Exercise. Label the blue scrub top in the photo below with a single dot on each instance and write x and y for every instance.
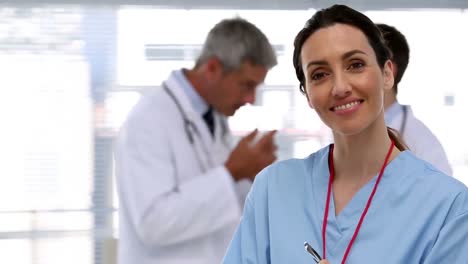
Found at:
(418, 215)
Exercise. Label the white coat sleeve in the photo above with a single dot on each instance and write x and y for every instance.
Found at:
(433, 152)
(451, 245)
(160, 214)
(250, 244)
(242, 189)
(425, 145)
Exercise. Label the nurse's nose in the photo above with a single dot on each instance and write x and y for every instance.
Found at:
(341, 86)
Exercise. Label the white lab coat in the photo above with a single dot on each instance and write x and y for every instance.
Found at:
(174, 207)
(419, 138)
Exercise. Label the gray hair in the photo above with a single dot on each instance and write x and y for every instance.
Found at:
(234, 41)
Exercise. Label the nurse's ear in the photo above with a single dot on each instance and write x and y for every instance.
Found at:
(388, 72)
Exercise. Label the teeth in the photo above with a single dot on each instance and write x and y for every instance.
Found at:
(346, 106)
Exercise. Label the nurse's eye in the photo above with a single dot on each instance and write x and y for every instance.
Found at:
(317, 76)
(356, 66)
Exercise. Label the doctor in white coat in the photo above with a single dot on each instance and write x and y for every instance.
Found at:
(419, 138)
(181, 185)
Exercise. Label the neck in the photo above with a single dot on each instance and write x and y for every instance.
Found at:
(389, 98)
(358, 158)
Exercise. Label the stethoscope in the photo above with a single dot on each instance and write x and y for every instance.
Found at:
(192, 131)
(404, 108)
(189, 126)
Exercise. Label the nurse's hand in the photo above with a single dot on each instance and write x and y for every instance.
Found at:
(324, 261)
(251, 155)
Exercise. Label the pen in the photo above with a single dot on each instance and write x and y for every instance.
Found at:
(311, 251)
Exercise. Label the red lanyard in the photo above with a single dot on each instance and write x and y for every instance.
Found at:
(327, 206)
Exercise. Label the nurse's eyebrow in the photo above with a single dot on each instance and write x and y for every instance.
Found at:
(317, 62)
(345, 56)
(350, 53)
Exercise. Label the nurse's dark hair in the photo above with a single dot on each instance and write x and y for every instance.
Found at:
(399, 142)
(341, 14)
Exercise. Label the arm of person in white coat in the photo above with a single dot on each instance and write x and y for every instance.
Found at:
(425, 145)
(434, 153)
(160, 213)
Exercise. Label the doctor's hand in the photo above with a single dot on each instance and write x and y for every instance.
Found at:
(324, 261)
(251, 155)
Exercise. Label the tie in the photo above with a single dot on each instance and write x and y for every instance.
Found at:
(209, 120)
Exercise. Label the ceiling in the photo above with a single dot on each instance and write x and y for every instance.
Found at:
(259, 4)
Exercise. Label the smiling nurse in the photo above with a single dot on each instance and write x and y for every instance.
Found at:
(365, 199)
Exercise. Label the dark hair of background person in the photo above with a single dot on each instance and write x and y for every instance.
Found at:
(399, 48)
